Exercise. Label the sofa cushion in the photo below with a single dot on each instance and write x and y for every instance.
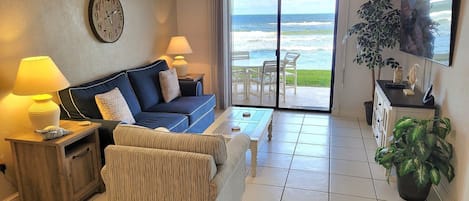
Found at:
(112, 106)
(213, 145)
(171, 121)
(193, 106)
(169, 85)
(146, 83)
(78, 102)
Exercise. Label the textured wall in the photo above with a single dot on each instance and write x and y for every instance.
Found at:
(60, 29)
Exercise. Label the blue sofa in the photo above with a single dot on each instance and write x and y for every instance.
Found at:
(192, 112)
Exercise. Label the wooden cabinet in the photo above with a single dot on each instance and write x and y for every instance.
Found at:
(62, 169)
(390, 105)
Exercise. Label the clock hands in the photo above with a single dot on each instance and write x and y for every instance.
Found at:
(109, 15)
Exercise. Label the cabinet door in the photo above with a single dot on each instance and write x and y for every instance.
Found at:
(82, 170)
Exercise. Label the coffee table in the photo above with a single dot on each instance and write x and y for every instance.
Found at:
(254, 122)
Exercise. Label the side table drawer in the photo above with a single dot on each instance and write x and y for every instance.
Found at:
(81, 168)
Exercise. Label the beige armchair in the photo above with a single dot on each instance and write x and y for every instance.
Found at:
(147, 165)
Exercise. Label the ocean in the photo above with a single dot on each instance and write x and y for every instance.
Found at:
(310, 34)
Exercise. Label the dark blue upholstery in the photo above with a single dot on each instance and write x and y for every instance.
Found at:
(193, 107)
(171, 121)
(191, 88)
(146, 83)
(79, 102)
(203, 123)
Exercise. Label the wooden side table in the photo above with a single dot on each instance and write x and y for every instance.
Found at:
(62, 169)
(194, 77)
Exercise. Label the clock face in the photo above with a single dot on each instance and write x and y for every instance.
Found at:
(106, 19)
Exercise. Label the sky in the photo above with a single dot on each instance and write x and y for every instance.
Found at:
(244, 7)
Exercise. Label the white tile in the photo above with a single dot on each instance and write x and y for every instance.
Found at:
(346, 132)
(271, 159)
(350, 142)
(378, 172)
(312, 150)
(317, 115)
(349, 154)
(278, 147)
(316, 121)
(338, 197)
(285, 136)
(317, 130)
(256, 192)
(352, 186)
(350, 168)
(386, 191)
(311, 164)
(308, 180)
(370, 144)
(345, 122)
(313, 139)
(290, 119)
(291, 194)
(284, 127)
(367, 133)
(269, 176)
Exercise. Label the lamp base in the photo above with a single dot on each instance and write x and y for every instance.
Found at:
(44, 112)
(181, 66)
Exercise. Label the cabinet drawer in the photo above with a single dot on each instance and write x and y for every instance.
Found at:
(81, 167)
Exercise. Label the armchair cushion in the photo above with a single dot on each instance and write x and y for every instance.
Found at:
(146, 83)
(174, 122)
(169, 85)
(79, 103)
(148, 138)
(113, 106)
(194, 107)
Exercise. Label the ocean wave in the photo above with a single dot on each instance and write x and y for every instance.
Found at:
(441, 15)
(313, 23)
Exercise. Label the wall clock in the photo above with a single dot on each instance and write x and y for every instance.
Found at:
(106, 19)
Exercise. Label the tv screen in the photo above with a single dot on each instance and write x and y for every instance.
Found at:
(428, 28)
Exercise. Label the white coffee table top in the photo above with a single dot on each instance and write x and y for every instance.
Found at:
(253, 125)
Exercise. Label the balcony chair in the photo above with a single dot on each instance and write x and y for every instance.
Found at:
(267, 76)
(289, 67)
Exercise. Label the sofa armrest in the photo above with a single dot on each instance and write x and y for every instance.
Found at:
(236, 150)
(190, 88)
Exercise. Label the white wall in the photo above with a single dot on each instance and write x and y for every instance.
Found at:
(61, 30)
(450, 89)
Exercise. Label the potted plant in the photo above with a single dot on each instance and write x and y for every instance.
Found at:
(379, 29)
(420, 153)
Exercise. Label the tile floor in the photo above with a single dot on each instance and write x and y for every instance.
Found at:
(317, 157)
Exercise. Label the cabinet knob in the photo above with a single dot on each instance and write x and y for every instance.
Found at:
(379, 104)
(376, 137)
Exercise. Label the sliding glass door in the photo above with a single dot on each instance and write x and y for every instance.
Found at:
(301, 34)
(254, 45)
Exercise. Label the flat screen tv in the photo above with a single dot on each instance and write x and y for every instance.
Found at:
(428, 28)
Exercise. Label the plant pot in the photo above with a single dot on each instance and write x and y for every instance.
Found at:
(409, 191)
(368, 111)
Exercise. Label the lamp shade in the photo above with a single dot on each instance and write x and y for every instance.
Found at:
(179, 45)
(38, 75)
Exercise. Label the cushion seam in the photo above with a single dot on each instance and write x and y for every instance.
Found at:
(144, 68)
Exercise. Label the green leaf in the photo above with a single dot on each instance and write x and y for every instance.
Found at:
(422, 151)
(416, 134)
(435, 176)
(422, 176)
(406, 167)
(430, 140)
(450, 174)
(404, 123)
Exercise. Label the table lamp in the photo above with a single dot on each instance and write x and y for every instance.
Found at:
(179, 46)
(39, 76)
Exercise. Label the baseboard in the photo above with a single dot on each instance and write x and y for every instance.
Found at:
(13, 197)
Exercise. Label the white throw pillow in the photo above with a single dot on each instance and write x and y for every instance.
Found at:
(113, 106)
(169, 85)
